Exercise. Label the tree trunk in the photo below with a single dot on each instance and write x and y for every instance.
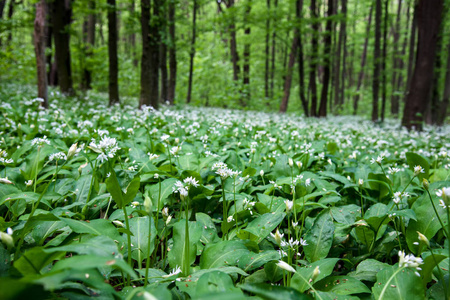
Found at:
(192, 52)
(145, 94)
(132, 36)
(429, 17)
(326, 60)
(39, 47)
(344, 59)
(155, 40)
(273, 50)
(246, 66)
(112, 51)
(2, 8)
(163, 55)
(313, 61)
(89, 40)
(412, 50)
(337, 67)
(446, 97)
(383, 62)
(288, 78)
(267, 54)
(363, 64)
(61, 17)
(376, 61)
(396, 62)
(10, 15)
(233, 45)
(172, 54)
(51, 67)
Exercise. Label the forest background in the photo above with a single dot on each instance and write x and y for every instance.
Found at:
(377, 58)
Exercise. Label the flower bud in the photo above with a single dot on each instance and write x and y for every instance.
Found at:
(169, 218)
(165, 212)
(425, 184)
(299, 164)
(118, 223)
(72, 151)
(291, 162)
(423, 239)
(285, 266)
(261, 173)
(148, 204)
(360, 182)
(7, 239)
(315, 274)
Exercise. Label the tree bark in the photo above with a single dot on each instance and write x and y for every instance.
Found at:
(396, 62)
(363, 64)
(267, 54)
(376, 61)
(61, 17)
(145, 95)
(313, 61)
(192, 52)
(112, 51)
(383, 62)
(89, 40)
(246, 66)
(163, 55)
(288, 78)
(155, 40)
(2, 8)
(326, 60)
(172, 54)
(429, 17)
(39, 47)
(338, 96)
(10, 15)
(301, 65)
(233, 45)
(273, 50)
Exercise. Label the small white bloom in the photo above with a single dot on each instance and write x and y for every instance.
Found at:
(282, 264)
(418, 170)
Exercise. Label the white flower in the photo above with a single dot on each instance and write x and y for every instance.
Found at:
(291, 162)
(261, 173)
(277, 236)
(230, 219)
(152, 156)
(191, 181)
(175, 271)
(285, 266)
(29, 182)
(299, 164)
(5, 180)
(165, 137)
(72, 151)
(303, 242)
(378, 160)
(360, 182)
(445, 194)
(165, 212)
(418, 170)
(40, 141)
(409, 261)
(289, 205)
(58, 156)
(308, 182)
(118, 223)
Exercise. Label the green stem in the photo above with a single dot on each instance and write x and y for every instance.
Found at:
(36, 169)
(225, 212)
(186, 265)
(128, 241)
(147, 264)
(387, 284)
(437, 215)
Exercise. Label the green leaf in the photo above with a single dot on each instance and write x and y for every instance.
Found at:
(368, 269)
(300, 280)
(398, 283)
(414, 159)
(341, 285)
(176, 255)
(12, 289)
(429, 263)
(215, 282)
(34, 260)
(224, 253)
(132, 190)
(95, 227)
(273, 292)
(82, 186)
(140, 228)
(320, 237)
(166, 190)
(262, 226)
(253, 261)
(273, 272)
(97, 245)
(113, 187)
(209, 233)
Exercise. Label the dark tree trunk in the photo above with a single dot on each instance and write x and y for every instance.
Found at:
(326, 60)
(155, 40)
(396, 62)
(10, 15)
(246, 66)
(132, 37)
(363, 64)
(383, 62)
(338, 97)
(288, 78)
(273, 50)
(267, 54)
(112, 51)
(301, 65)
(51, 67)
(376, 61)
(412, 50)
(233, 45)
(163, 55)
(192, 52)
(172, 54)
(429, 17)
(446, 97)
(89, 40)
(145, 94)
(39, 47)
(2, 8)
(61, 17)
(313, 63)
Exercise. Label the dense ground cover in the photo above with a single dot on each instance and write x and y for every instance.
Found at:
(219, 204)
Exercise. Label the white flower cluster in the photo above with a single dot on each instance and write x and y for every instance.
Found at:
(418, 170)
(410, 261)
(106, 148)
(445, 194)
(3, 159)
(40, 141)
(183, 187)
(223, 171)
(399, 195)
(378, 160)
(57, 156)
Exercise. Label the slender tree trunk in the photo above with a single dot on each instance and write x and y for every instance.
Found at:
(10, 15)
(39, 47)
(192, 52)
(363, 64)
(233, 45)
(62, 15)
(2, 8)
(301, 65)
(446, 97)
(132, 36)
(412, 50)
(313, 63)
(89, 40)
(172, 54)
(396, 61)
(327, 64)
(344, 62)
(145, 94)
(155, 40)
(376, 61)
(429, 17)
(337, 66)
(383, 62)
(273, 50)
(163, 56)
(246, 66)
(112, 52)
(51, 76)
(267, 54)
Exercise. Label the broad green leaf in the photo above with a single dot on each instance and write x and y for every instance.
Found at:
(346, 214)
(166, 190)
(334, 296)
(5, 257)
(132, 190)
(43, 230)
(300, 280)
(98, 245)
(11, 289)
(367, 269)
(188, 162)
(273, 271)
(414, 159)
(341, 285)
(320, 237)
(139, 226)
(81, 187)
(273, 292)
(95, 227)
(398, 283)
(262, 226)
(176, 255)
(214, 282)
(253, 261)
(224, 253)
(209, 233)
(34, 260)
(113, 187)
(429, 263)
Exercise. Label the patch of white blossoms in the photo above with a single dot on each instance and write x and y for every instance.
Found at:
(223, 171)
(444, 193)
(410, 261)
(183, 187)
(106, 148)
